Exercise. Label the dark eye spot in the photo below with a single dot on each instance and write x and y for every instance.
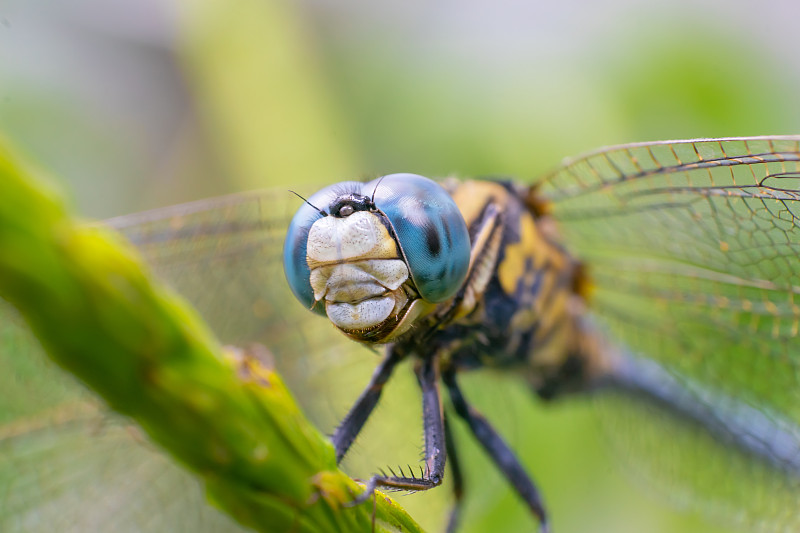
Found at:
(448, 239)
(432, 240)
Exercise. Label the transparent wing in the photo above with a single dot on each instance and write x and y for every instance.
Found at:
(66, 465)
(693, 252)
(86, 472)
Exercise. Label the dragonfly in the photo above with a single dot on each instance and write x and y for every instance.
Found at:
(659, 278)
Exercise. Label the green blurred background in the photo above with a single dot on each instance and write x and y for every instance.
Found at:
(143, 103)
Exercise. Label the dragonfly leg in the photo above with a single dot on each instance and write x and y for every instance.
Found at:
(458, 478)
(497, 449)
(435, 448)
(350, 427)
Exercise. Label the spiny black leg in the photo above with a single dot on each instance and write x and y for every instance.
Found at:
(458, 478)
(351, 426)
(435, 451)
(497, 449)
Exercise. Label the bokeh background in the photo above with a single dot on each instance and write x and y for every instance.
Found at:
(134, 104)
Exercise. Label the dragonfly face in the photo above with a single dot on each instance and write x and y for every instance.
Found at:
(691, 249)
(375, 257)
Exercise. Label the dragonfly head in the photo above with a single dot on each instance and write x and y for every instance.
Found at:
(373, 257)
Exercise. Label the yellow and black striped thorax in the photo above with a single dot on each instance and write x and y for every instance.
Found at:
(521, 288)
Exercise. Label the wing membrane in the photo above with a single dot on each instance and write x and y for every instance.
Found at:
(81, 470)
(693, 249)
(692, 235)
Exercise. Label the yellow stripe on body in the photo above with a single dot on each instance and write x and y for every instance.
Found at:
(534, 271)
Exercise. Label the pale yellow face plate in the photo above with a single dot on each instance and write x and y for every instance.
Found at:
(357, 270)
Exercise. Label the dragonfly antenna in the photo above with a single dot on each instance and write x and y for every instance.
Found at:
(321, 211)
(372, 200)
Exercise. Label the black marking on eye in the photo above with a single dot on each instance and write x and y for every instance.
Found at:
(432, 240)
(448, 238)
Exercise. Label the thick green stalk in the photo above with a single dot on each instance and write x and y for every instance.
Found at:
(92, 304)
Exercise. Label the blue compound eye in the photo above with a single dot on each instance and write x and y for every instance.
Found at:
(430, 230)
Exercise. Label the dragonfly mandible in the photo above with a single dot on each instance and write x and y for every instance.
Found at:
(666, 271)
